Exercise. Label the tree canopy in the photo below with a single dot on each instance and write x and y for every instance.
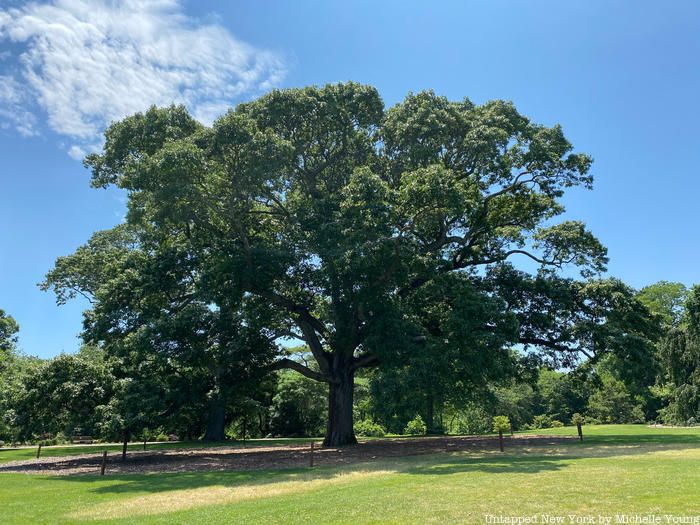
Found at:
(372, 234)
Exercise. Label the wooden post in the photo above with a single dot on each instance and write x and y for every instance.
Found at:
(580, 431)
(144, 443)
(311, 455)
(38, 451)
(500, 439)
(104, 463)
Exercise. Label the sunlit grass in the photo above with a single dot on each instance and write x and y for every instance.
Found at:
(616, 470)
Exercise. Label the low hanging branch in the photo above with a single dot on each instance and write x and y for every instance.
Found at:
(289, 364)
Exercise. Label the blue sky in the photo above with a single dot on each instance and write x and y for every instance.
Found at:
(622, 78)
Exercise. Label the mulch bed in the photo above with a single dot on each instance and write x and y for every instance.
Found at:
(261, 457)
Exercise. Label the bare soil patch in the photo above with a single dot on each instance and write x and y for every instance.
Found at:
(273, 457)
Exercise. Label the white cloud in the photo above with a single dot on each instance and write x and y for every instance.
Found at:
(77, 152)
(13, 112)
(89, 62)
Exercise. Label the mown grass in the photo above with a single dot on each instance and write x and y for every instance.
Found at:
(616, 470)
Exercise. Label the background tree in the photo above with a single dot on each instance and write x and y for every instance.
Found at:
(680, 358)
(15, 368)
(665, 299)
(150, 303)
(299, 407)
(8, 337)
(61, 395)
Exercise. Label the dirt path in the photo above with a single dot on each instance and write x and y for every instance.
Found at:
(273, 457)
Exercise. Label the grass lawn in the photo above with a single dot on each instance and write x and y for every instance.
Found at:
(621, 469)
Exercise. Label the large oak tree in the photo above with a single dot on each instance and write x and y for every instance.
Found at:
(323, 216)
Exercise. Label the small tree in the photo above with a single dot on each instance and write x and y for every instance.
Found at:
(577, 419)
(501, 424)
(416, 427)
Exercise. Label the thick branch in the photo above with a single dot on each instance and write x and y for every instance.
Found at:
(290, 364)
(554, 345)
(309, 325)
(365, 361)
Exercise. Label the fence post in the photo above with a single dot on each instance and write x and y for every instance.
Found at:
(104, 463)
(311, 455)
(38, 451)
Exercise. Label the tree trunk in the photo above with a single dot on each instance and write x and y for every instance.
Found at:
(340, 399)
(216, 418)
(430, 414)
(216, 421)
(125, 444)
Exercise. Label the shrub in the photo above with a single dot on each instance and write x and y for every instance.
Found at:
(501, 424)
(162, 437)
(369, 428)
(542, 421)
(557, 424)
(416, 427)
(637, 415)
(577, 419)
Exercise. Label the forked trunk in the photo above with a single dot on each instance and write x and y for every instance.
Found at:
(340, 399)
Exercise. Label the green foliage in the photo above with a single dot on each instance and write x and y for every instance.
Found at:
(501, 424)
(363, 226)
(63, 394)
(416, 427)
(679, 353)
(517, 400)
(298, 407)
(577, 419)
(559, 395)
(369, 428)
(541, 421)
(556, 424)
(613, 403)
(474, 418)
(665, 299)
(8, 335)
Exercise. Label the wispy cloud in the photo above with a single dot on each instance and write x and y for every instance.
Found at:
(85, 63)
(13, 103)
